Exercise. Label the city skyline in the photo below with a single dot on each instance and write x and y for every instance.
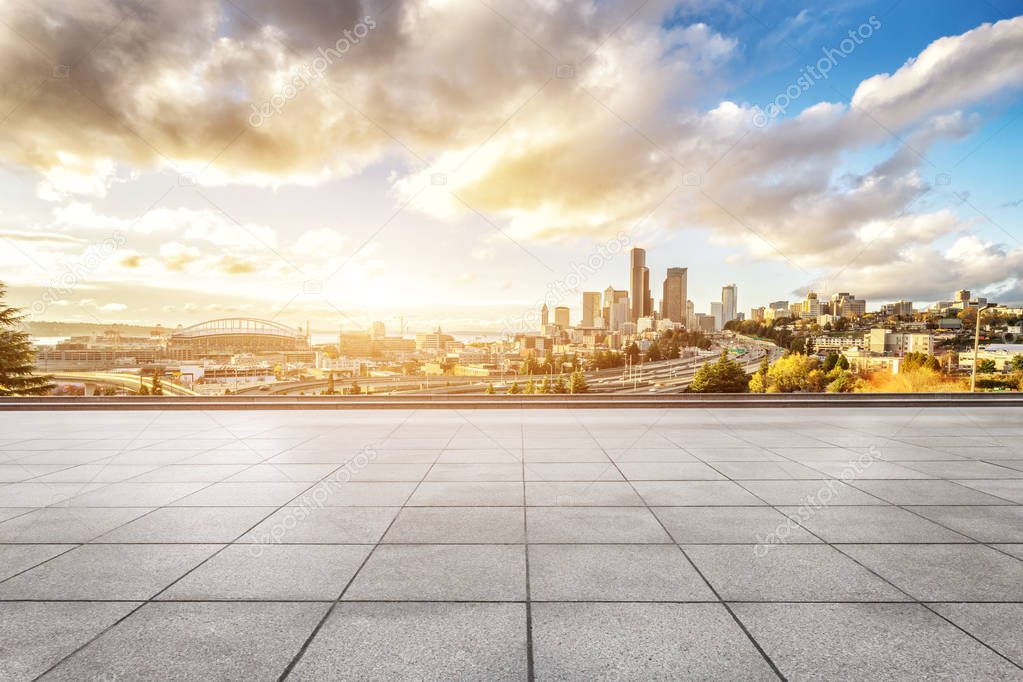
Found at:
(890, 175)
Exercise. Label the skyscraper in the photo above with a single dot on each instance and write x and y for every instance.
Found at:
(729, 303)
(639, 283)
(561, 317)
(591, 308)
(545, 317)
(717, 312)
(673, 299)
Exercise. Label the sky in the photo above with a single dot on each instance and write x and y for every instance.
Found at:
(460, 162)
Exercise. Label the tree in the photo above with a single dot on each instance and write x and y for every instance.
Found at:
(843, 362)
(157, 384)
(530, 388)
(489, 390)
(559, 385)
(758, 382)
(795, 372)
(986, 366)
(355, 388)
(142, 387)
(17, 356)
(723, 376)
(632, 352)
(514, 388)
(545, 386)
(1017, 363)
(653, 353)
(577, 384)
(830, 361)
(330, 390)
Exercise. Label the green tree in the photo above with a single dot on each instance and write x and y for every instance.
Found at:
(723, 376)
(559, 385)
(653, 354)
(830, 361)
(17, 356)
(577, 384)
(986, 366)
(143, 390)
(330, 390)
(530, 388)
(514, 388)
(489, 390)
(355, 389)
(632, 352)
(545, 386)
(1017, 363)
(843, 363)
(157, 383)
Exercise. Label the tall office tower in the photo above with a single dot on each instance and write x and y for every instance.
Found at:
(811, 307)
(717, 312)
(639, 283)
(591, 308)
(611, 297)
(561, 317)
(690, 315)
(673, 299)
(729, 303)
(963, 296)
(545, 317)
(648, 304)
(618, 314)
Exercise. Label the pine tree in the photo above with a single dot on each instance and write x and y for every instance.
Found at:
(17, 356)
(578, 384)
(157, 383)
(545, 386)
(489, 390)
(142, 387)
(355, 389)
(559, 385)
(330, 390)
(514, 388)
(530, 388)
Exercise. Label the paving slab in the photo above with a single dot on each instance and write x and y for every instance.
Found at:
(272, 572)
(642, 642)
(422, 641)
(116, 572)
(613, 573)
(869, 642)
(945, 572)
(190, 641)
(788, 573)
(442, 573)
(35, 636)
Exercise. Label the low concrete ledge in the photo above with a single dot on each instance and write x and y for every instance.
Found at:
(593, 401)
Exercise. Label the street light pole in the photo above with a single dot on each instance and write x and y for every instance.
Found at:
(976, 348)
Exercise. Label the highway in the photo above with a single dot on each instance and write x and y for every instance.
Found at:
(126, 381)
(665, 376)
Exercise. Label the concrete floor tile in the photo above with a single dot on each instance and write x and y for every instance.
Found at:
(391, 641)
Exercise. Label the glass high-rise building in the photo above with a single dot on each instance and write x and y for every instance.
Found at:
(639, 284)
(729, 303)
(673, 298)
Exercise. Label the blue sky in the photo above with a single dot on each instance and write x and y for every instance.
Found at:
(892, 178)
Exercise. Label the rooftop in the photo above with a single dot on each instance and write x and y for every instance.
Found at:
(586, 544)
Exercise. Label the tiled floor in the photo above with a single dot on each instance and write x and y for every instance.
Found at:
(509, 544)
